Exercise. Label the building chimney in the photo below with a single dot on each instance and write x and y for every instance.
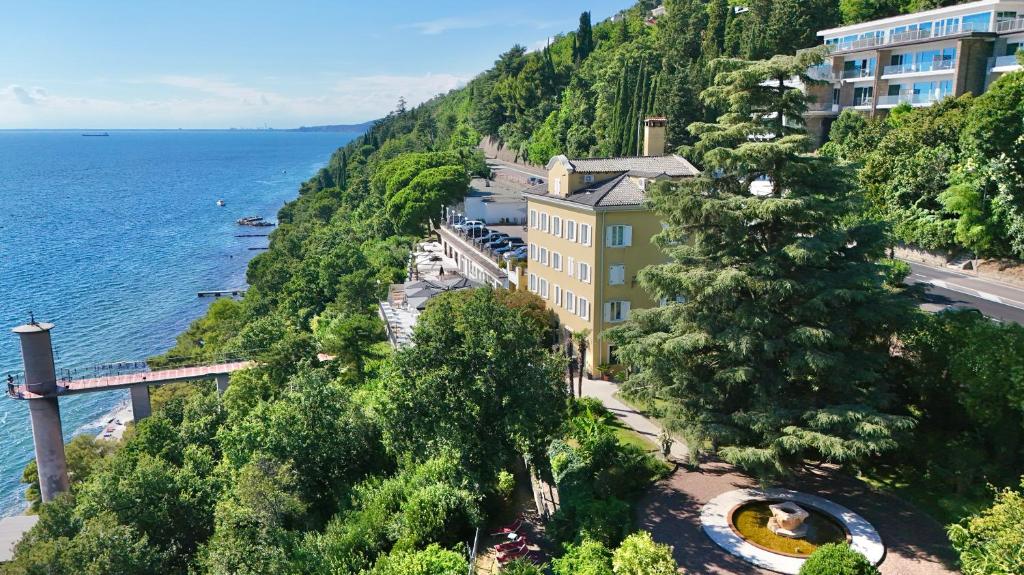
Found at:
(654, 136)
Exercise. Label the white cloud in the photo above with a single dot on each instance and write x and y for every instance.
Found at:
(204, 102)
(442, 25)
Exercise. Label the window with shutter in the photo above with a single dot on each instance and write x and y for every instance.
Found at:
(533, 252)
(570, 266)
(556, 226)
(533, 283)
(619, 236)
(544, 256)
(570, 230)
(543, 222)
(585, 234)
(570, 301)
(617, 275)
(533, 219)
(558, 295)
(556, 261)
(543, 288)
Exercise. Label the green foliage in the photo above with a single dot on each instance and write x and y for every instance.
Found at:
(779, 350)
(477, 383)
(639, 555)
(431, 561)
(506, 484)
(84, 454)
(837, 559)
(966, 379)
(587, 558)
(992, 542)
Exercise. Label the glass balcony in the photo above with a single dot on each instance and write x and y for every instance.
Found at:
(929, 66)
(858, 73)
(1013, 25)
(912, 35)
(912, 99)
(1003, 62)
(864, 102)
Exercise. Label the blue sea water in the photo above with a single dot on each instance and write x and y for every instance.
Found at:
(110, 238)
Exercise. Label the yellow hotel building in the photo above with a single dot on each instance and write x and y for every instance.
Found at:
(589, 234)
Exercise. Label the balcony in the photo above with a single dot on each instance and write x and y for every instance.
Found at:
(917, 35)
(865, 102)
(821, 72)
(858, 74)
(1003, 63)
(912, 99)
(917, 67)
(1006, 26)
(862, 44)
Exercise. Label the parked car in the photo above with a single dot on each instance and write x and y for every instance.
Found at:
(517, 254)
(508, 245)
(491, 237)
(469, 224)
(475, 232)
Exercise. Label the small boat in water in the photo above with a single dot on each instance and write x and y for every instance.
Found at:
(255, 221)
(221, 203)
(96, 134)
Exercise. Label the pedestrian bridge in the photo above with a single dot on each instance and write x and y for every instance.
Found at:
(123, 375)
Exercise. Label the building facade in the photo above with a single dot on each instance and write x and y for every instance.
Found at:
(589, 234)
(917, 59)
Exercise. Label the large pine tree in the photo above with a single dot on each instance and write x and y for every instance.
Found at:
(779, 351)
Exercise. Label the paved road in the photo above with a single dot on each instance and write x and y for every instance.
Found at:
(945, 288)
(521, 168)
(604, 391)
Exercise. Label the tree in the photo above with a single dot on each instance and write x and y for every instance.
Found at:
(347, 336)
(584, 39)
(992, 542)
(252, 535)
(478, 382)
(779, 349)
(837, 559)
(640, 555)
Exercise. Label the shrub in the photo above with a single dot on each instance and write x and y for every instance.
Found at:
(587, 558)
(837, 559)
(506, 484)
(640, 555)
(992, 542)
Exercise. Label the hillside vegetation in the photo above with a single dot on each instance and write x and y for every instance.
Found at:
(382, 462)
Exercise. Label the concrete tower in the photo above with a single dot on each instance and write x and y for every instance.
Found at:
(41, 379)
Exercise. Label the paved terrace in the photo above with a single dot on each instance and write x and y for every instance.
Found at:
(915, 543)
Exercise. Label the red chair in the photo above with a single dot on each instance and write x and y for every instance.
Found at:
(513, 555)
(513, 528)
(502, 547)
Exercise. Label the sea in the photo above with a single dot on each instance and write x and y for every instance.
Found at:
(111, 237)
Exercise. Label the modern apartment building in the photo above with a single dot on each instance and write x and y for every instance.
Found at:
(589, 234)
(917, 58)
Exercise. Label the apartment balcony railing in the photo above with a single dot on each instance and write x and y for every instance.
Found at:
(913, 99)
(858, 73)
(1003, 61)
(863, 102)
(912, 35)
(1014, 25)
(929, 66)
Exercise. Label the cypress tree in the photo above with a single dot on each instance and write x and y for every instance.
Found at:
(780, 349)
(584, 39)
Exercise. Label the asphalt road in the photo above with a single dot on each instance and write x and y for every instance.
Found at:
(947, 288)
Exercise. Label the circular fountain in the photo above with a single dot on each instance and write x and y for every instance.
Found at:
(778, 529)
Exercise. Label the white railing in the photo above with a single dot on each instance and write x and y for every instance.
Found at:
(1010, 25)
(912, 35)
(912, 99)
(863, 102)
(929, 66)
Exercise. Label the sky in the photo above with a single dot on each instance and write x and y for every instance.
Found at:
(250, 64)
